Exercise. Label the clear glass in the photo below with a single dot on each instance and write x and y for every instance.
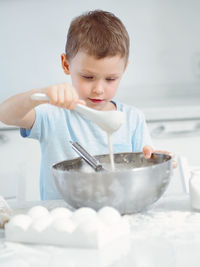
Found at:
(195, 173)
(194, 189)
(2, 240)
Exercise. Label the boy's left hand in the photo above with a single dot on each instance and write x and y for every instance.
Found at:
(148, 150)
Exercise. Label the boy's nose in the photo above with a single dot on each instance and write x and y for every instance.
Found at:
(98, 89)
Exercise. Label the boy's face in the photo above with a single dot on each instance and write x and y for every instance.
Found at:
(95, 80)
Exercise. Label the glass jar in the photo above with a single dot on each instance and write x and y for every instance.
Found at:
(194, 189)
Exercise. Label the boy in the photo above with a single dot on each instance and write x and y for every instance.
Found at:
(96, 57)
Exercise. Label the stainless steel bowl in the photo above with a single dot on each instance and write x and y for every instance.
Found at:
(135, 184)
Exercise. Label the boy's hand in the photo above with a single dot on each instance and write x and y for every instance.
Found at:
(147, 150)
(63, 95)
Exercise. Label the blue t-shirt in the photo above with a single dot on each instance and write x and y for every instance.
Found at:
(54, 127)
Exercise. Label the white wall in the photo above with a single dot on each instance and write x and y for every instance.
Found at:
(164, 56)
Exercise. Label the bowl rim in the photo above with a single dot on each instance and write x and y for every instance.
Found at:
(136, 169)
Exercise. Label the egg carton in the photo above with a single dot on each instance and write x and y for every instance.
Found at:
(83, 228)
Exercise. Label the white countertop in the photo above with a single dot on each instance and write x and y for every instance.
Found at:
(167, 235)
(172, 113)
(165, 107)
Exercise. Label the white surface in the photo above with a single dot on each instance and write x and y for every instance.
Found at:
(85, 228)
(180, 137)
(162, 112)
(167, 236)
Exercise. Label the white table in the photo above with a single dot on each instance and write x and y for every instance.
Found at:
(168, 235)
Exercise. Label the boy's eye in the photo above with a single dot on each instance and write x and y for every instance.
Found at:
(88, 77)
(110, 79)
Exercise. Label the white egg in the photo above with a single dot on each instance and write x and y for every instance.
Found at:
(37, 231)
(109, 215)
(83, 214)
(21, 221)
(89, 225)
(17, 228)
(64, 225)
(61, 213)
(62, 232)
(40, 224)
(86, 233)
(37, 212)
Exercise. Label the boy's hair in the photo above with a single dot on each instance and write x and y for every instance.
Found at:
(99, 34)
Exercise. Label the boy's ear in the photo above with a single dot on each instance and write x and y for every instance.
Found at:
(65, 63)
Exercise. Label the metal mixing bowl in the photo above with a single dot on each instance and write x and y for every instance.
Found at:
(135, 184)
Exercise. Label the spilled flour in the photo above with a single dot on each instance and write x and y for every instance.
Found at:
(176, 225)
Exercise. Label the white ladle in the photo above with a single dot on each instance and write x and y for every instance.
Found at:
(109, 121)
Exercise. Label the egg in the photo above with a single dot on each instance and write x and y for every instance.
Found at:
(17, 227)
(89, 225)
(109, 215)
(21, 221)
(86, 233)
(84, 228)
(64, 225)
(60, 213)
(39, 230)
(83, 214)
(37, 212)
(40, 224)
(63, 232)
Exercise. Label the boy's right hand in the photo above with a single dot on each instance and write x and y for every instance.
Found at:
(63, 95)
(19, 109)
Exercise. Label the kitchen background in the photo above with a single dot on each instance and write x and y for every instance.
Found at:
(162, 79)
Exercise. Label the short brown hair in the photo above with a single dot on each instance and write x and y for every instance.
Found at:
(98, 33)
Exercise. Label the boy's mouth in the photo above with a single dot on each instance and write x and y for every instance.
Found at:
(94, 100)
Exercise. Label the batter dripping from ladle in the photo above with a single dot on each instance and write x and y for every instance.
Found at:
(109, 121)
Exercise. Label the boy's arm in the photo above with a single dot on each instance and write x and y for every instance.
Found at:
(19, 110)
